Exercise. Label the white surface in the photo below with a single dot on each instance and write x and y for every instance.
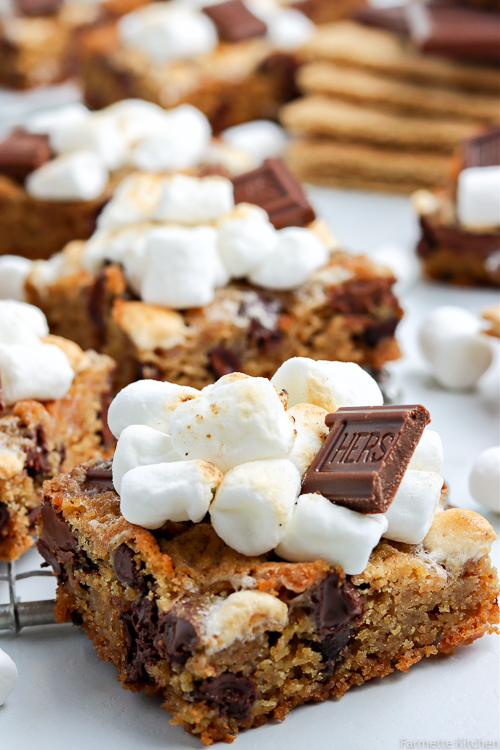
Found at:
(67, 699)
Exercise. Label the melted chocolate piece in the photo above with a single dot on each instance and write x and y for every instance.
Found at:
(362, 461)
(33, 514)
(364, 297)
(233, 694)
(223, 360)
(38, 7)
(21, 153)
(124, 567)
(176, 638)
(451, 237)
(57, 533)
(37, 455)
(99, 478)
(49, 556)
(2, 402)
(107, 437)
(234, 22)
(267, 309)
(273, 187)
(140, 625)
(96, 306)
(340, 609)
(385, 328)
(483, 151)
(4, 515)
(393, 19)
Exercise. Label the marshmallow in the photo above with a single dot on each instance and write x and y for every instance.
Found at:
(254, 504)
(137, 119)
(8, 676)
(261, 138)
(412, 511)
(478, 197)
(484, 480)
(147, 402)
(245, 239)
(135, 199)
(179, 491)
(320, 529)
(80, 175)
(309, 422)
(330, 385)
(289, 29)
(38, 372)
(194, 200)
(139, 445)
(21, 323)
(13, 273)
(452, 342)
(297, 254)
(97, 133)
(428, 455)
(236, 422)
(181, 267)
(52, 121)
(242, 616)
(126, 246)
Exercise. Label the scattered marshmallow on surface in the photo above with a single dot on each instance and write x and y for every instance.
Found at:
(484, 480)
(412, 511)
(245, 239)
(79, 175)
(330, 385)
(8, 676)
(311, 434)
(178, 491)
(296, 255)
(194, 200)
(261, 138)
(135, 199)
(147, 402)
(320, 529)
(237, 422)
(34, 372)
(478, 197)
(13, 272)
(428, 455)
(254, 504)
(140, 445)
(21, 323)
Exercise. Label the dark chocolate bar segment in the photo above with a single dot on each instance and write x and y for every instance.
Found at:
(484, 150)
(21, 153)
(363, 459)
(99, 478)
(37, 7)
(234, 22)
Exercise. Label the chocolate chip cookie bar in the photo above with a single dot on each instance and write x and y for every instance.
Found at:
(204, 564)
(53, 400)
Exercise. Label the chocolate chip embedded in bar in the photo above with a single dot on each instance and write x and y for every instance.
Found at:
(483, 151)
(363, 459)
(99, 478)
(37, 7)
(273, 187)
(234, 21)
(23, 152)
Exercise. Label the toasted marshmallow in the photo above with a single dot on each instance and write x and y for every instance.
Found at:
(290, 29)
(126, 246)
(147, 402)
(241, 617)
(80, 175)
(237, 422)
(194, 200)
(181, 267)
(428, 455)
(245, 239)
(97, 133)
(8, 676)
(38, 372)
(297, 254)
(309, 422)
(484, 480)
(452, 342)
(21, 323)
(13, 273)
(135, 199)
(137, 119)
(140, 445)
(412, 511)
(478, 197)
(458, 536)
(320, 529)
(261, 138)
(254, 504)
(178, 491)
(330, 385)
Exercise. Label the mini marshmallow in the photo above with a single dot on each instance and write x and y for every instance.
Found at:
(240, 421)
(179, 491)
(452, 342)
(80, 175)
(245, 239)
(290, 29)
(330, 385)
(181, 267)
(21, 323)
(139, 445)
(412, 511)
(194, 200)
(428, 455)
(52, 121)
(309, 422)
(320, 529)
(38, 372)
(97, 133)
(137, 119)
(242, 616)
(135, 199)
(147, 402)
(8, 676)
(254, 504)
(478, 197)
(13, 273)
(126, 246)
(297, 254)
(484, 480)
(261, 138)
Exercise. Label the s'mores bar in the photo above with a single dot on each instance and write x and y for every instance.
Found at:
(190, 278)
(53, 402)
(261, 544)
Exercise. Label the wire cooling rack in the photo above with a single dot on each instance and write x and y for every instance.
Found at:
(16, 614)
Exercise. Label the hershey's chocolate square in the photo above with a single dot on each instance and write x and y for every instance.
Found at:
(234, 21)
(38, 7)
(21, 153)
(483, 151)
(363, 459)
(273, 187)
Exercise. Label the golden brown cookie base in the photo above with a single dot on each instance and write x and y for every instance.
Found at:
(413, 607)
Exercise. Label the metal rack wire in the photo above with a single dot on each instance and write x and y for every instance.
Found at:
(16, 614)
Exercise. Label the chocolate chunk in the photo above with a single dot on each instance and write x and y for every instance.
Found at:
(2, 402)
(33, 514)
(483, 151)
(340, 609)
(21, 153)
(107, 437)
(96, 306)
(264, 312)
(124, 567)
(57, 533)
(37, 455)
(176, 638)
(99, 478)
(393, 19)
(362, 462)
(49, 556)
(140, 625)
(374, 333)
(223, 360)
(273, 187)
(451, 237)
(4, 515)
(234, 22)
(38, 7)
(233, 694)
